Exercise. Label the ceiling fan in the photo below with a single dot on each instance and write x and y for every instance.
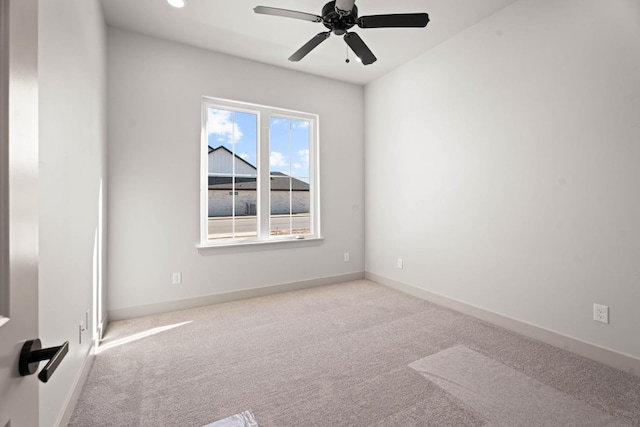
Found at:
(341, 15)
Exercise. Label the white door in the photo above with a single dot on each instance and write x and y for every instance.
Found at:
(18, 207)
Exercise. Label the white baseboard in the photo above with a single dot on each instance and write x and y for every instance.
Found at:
(183, 304)
(589, 350)
(74, 395)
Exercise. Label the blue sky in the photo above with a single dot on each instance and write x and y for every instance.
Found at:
(289, 146)
(237, 131)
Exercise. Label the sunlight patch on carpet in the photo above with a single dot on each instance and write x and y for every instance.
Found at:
(140, 335)
(504, 396)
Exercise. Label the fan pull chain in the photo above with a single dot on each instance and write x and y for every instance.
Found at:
(347, 51)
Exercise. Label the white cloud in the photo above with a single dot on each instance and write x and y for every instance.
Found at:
(277, 159)
(304, 156)
(297, 166)
(244, 156)
(221, 124)
(295, 124)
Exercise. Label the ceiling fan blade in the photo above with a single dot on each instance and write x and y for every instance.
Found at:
(398, 20)
(287, 13)
(344, 7)
(309, 46)
(360, 48)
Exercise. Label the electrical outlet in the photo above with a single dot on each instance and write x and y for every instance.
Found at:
(600, 313)
(346, 257)
(176, 278)
(400, 265)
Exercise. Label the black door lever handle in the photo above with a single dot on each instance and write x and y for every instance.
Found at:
(32, 354)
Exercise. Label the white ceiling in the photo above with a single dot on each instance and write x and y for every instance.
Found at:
(231, 26)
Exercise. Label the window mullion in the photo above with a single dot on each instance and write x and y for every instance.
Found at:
(314, 190)
(264, 187)
(233, 177)
(290, 177)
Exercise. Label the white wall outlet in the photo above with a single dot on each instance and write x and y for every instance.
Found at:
(400, 265)
(176, 279)
(600, 313)
(346, 257)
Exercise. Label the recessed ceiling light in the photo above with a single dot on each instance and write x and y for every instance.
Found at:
(177, 3)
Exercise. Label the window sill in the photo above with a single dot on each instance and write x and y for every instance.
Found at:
(243, 245)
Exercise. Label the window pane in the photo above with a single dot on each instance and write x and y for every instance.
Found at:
(300, 148)
(233, 146)
(279, 145)
(280, 200)
(232, 134)
(232, 209)
(301, 218)
(290, 201)
(289, 141)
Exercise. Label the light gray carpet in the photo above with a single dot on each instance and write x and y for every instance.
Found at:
(503, 395)
(336, 355)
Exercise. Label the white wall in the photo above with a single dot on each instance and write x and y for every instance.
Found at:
(155, 89)
(525, 133)
(72, 77)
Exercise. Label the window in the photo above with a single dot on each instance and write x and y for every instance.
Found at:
(259, 178)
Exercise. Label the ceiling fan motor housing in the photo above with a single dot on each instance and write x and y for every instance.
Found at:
(336, 22)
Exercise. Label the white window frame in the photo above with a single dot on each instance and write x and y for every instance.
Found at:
(263, 207)
(4, 165)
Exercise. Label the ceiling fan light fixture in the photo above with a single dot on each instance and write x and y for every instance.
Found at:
(344, 7)
(177, 3)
